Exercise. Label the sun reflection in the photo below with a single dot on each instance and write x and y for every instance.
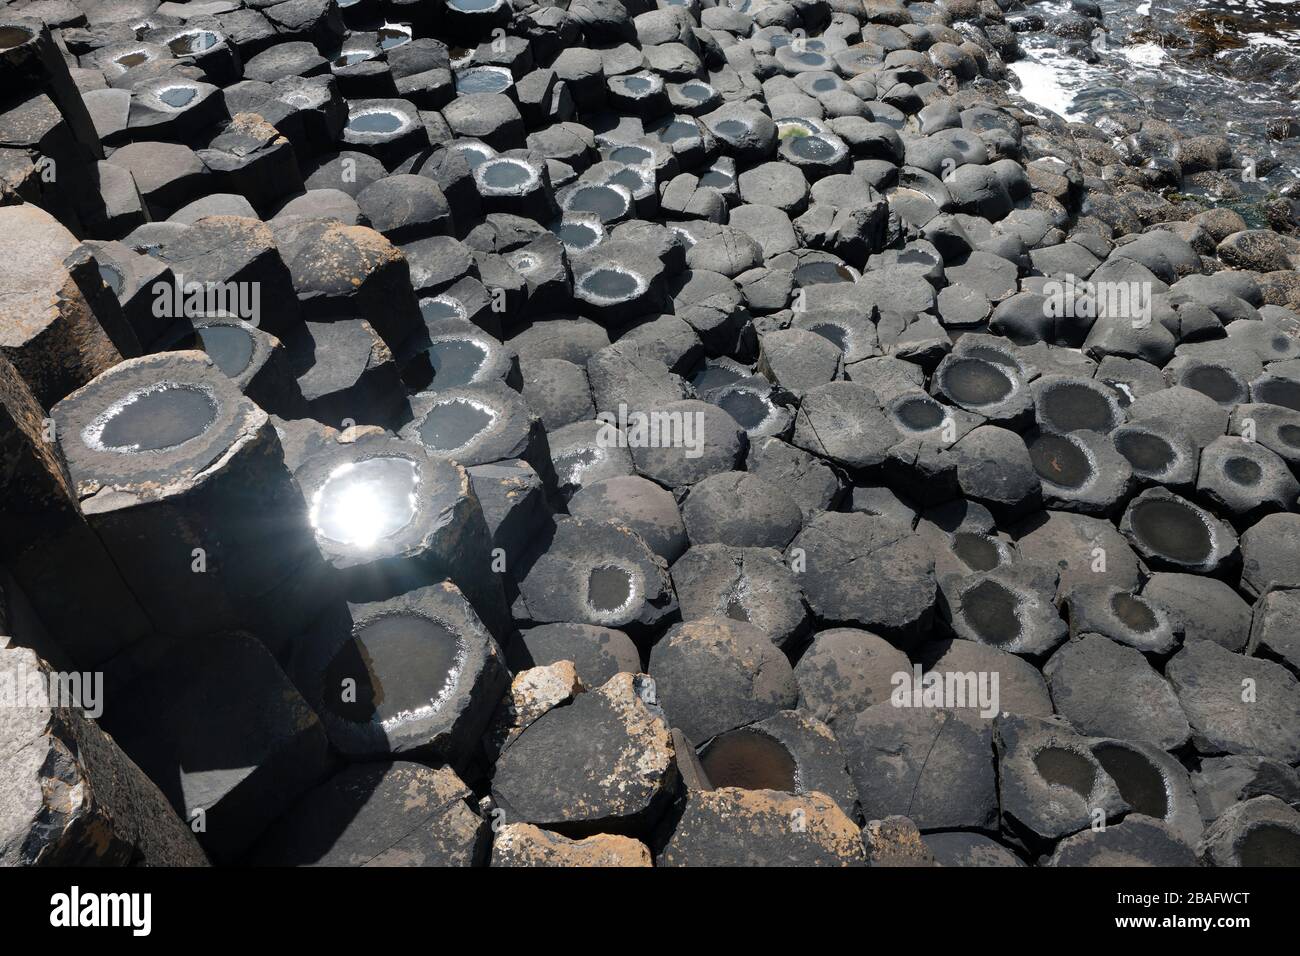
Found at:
(361, 503)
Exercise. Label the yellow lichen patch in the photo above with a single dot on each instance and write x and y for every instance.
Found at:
(522, 844)
(255, 126)
(798, 828)
(425, 789)
(649, 752)
(896, 842)
(535, 691)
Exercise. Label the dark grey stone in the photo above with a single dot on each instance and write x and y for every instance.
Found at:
(1107, 690)
(751, 585)
(714, 675)
(839, 558)
(604, 761)
(932, 765)
(598, 653)
(382, 814)
(1236, 704)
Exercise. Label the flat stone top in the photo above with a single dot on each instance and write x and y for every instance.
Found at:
(196, 8)
(33, 245)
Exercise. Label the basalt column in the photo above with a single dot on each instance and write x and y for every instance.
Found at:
(60, 325)
(389, 518)
(417, 674)
(43, 114)
(45, 542)
(71, 796)
(183, 479)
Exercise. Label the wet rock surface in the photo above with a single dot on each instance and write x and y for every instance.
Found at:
(601, 435)
(1050, 783)
(1259, 832)
(417, 674)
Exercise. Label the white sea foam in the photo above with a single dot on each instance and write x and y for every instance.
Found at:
(1041, 85)
(1146, 54)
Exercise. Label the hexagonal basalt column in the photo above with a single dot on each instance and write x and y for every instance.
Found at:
(415, 674)
(184, 481)
(53, 326)
(388, 517)
(217, 726)
(31, 61)
(45, 534)
(380, 814)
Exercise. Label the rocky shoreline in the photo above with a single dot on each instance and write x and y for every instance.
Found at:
(630, 433)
